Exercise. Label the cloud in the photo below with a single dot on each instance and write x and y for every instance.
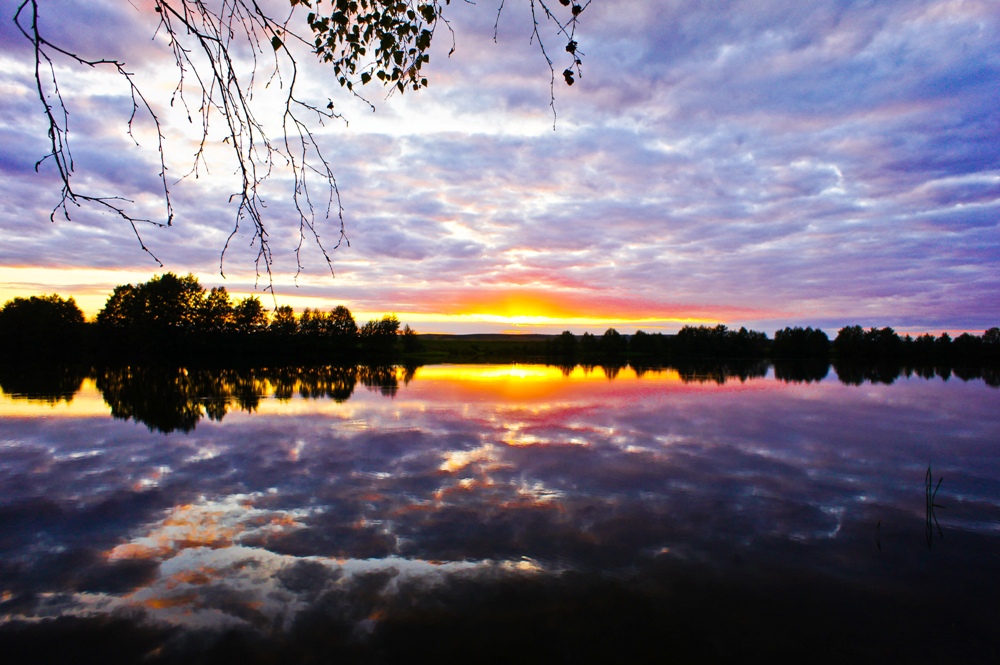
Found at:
(353, 513)
(823, 161)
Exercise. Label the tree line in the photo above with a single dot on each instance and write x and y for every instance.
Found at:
(175, 318)
(852, 344)
(172, 318)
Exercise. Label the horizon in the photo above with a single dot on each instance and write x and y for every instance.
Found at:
(469, 325)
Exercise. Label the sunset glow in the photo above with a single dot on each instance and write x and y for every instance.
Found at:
(822, 164)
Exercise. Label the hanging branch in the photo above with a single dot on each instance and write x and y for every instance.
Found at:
(387, 41)
(57, 116)
(221, 90)
(566, 28)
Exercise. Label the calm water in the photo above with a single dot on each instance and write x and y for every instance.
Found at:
(499, 514)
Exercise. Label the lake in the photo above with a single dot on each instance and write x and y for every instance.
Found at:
(499, 513)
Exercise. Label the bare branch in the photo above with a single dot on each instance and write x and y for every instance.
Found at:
(362, 41)
(57, 116)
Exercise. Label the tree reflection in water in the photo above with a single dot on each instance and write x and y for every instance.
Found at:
(169, 399)
(176, 399)
(40, 381)
(501, 514)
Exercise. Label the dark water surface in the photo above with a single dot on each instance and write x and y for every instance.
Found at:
(500, 514)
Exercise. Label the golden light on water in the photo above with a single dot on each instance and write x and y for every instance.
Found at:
(513, 384)
(86, 402)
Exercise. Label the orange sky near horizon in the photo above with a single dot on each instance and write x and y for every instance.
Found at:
(458, 310)
(733, 179)
(520, 309)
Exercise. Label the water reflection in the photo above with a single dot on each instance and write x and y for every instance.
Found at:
(48, 383)
(169, 399)
(583, 514)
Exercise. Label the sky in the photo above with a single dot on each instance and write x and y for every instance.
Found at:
(757, 164)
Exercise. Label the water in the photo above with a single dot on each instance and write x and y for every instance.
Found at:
(498, 514)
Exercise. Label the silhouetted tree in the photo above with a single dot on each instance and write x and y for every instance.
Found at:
(923, 348)
(882, 344)
(217, 311)
(40, 328)
(747, 344)
(162, 317)
(341, 323)
(967, 349)
(589, 347)
(152, 312)
(646, 346)
(311, 323)
(411, 344)
(343, 331)
(991, 344)
(283, 322)
(249, 316)
(849, 342)
(719, 342)
(378, 338)
(942, 346)
(872, 345)
(564, 346)
(613, 344)
(800, 343)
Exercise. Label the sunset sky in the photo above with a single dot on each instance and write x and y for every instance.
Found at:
(750, 163)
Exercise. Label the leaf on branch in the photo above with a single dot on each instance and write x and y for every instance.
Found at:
(276, 42)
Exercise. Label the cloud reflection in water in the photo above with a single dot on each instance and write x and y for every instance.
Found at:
(366, 510)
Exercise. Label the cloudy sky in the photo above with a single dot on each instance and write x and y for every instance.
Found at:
(750, 163)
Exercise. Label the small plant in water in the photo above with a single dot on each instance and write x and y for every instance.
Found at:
(930, 495)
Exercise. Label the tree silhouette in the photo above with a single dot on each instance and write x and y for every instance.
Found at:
(217, 311)
(283, 321)
(341, 324)
(564, 347)
(378, 338)
(411, 343)
(720, 342)
(172, 318)
(991, 344)
(361, 41)
(645, 345)
(249, 316)
(613, 344)
(40, 328)
(799, 342)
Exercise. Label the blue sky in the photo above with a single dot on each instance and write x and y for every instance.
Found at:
(749, 163)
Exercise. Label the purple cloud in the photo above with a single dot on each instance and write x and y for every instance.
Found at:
(828, 162)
